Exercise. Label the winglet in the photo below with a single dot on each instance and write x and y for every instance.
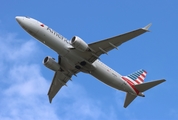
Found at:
(147, 27)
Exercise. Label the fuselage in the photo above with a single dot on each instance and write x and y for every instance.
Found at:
(62, 46)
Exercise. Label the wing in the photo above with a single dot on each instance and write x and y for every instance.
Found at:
(103, 46)
(60, 79)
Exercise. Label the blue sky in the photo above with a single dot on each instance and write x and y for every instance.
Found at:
(24, 81)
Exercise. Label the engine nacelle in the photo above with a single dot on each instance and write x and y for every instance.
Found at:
(79, 44)
(50, 63)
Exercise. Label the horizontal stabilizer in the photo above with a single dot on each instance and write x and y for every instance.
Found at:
(145, 86)
(129, 98)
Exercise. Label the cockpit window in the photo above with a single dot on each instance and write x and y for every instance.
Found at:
(27, 17)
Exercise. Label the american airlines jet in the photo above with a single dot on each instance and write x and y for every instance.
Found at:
(77, 56)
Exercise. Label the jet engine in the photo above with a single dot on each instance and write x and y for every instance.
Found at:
(79, 44)
(50, 63)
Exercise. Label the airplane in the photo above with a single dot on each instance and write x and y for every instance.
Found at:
(76, 56)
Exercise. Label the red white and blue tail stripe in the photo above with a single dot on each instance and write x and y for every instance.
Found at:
(137, 77)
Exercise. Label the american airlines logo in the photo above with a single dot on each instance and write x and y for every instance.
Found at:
(42, 25)
(58, 35)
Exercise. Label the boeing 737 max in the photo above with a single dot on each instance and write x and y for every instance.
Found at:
(78, 56)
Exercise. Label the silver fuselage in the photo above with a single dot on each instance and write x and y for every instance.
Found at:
(62, 46)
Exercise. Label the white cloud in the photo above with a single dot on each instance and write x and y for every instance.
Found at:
(81, 106)
(24, 89)
(27, 79)
(15, 49)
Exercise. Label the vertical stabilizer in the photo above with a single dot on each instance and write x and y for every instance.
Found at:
(138, 76)
(129, 98)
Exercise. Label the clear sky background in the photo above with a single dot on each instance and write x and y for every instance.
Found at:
(24, 81)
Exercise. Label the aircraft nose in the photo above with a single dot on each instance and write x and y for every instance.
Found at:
(19, 19)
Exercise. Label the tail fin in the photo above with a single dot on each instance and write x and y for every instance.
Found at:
(138, 76)
(145, 86)
(129, 98)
